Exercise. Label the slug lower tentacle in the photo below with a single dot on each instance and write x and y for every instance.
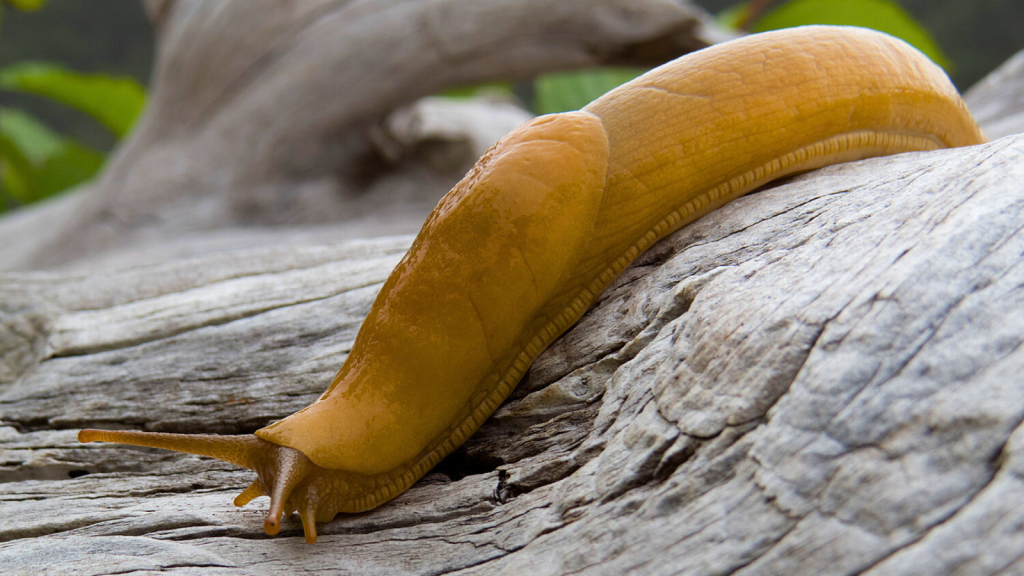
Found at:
(523, 245)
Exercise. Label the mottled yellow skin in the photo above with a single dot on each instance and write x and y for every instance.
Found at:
(522, 246)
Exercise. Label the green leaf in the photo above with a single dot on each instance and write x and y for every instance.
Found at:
(36, 162)
(27, 5)
(15, 172)
(70, 166)
(114, 101)
(882, 15)
(565, 91)
(35, 141)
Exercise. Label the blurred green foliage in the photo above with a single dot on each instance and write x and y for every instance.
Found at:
(37, 162)
(113, 101)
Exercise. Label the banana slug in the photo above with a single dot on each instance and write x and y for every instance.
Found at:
(545, 220)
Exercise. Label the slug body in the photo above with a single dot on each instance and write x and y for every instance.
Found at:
(520, 248)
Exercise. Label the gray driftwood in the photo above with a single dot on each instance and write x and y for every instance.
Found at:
(820, 378)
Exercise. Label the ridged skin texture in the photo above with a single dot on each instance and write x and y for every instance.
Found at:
(519, 249)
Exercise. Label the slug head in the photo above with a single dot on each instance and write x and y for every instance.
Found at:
(291, 480)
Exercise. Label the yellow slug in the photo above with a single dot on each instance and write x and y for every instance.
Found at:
(519, 249)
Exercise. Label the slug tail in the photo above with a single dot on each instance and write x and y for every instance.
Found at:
(243, 450)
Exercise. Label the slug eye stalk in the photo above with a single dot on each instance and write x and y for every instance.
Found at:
(243, 450)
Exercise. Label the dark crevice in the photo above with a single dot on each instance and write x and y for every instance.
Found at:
(460, 464)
